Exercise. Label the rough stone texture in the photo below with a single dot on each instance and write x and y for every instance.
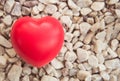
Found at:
(97, 6)
(4, 42)
(9, 5)
(57, 64)
(48, 78)
(14, 73)
(82, 75)
(7, 20)
(3, 61)
(17, 9)
(91, 48)
(82, 55)
(93, 61)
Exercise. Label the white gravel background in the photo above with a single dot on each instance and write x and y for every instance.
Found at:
(91, 50)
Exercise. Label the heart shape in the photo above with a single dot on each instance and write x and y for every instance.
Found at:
(37, 41)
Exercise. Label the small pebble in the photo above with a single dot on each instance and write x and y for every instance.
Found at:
(82, 75)
(112, 64)
(105, 75)
(97, 6)
(82, 54)
(112, 2)
(85, 11)
(17, 9)
(7, 20)
(4, 42)
(11, 52)
(2, 76)
(50, 9)
(26, 11)
(35, 10)
(9, 5)
(93, 61)
(25, 78)
(70, 56)
(48, 78)
(66, 20)
(27, 70)
(41, 7)
(15, 73)
(72, 5)
(30, 3)
(57, 64)
(3, 61)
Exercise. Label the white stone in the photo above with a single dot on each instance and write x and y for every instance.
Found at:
(112, 64)
(4, 42)
(69, 46)
(93, 61)
(76, 33)
(101, 67)
(97, 6)
(14, 73)
(48, 78)
(57, 64)
(17, 9)
(51, 71)
(105, 75)
(117, 11)
(41, 7)
(65, 79)
(112, 2)
(9, 5)
(83, 74)
(3, 61)
(1, 13)
(48, 1)
(26, 10)
(96, 77)
(87, 66)
(57, 15)
(113, 78)
(81, 67)
(11, 52)
(99, 46)
(82, 55)
(63, 50)
(66, 20)
(118, 52)
(34, 70)
(70, 56)
(84, 3)
(50, 9)
(7, 20)
(109, 19)
(25, 78)
(101, 35)
(68, 36)
(100, 58)
(114, 44)
(85, 11)
(35, 10)
(77, 45)
(2, 76)
(112, 53)
(89, 37)
(26, 70)
(84, 28)
(73, 6)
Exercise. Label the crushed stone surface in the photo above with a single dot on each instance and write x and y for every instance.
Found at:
(91, 50)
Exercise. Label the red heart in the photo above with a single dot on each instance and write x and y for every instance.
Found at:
(37, 41)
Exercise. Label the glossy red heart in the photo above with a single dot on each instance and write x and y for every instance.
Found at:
(37, 41)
